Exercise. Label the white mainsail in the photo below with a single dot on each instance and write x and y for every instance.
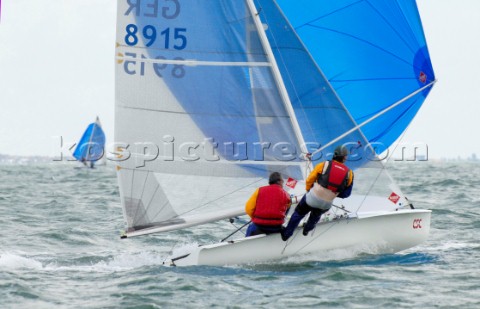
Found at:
(185, 125)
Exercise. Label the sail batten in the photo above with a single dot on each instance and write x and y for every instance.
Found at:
(189, 62)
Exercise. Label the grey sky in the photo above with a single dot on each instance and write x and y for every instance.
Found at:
(57, 74)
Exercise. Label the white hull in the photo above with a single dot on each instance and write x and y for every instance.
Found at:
(381, 233)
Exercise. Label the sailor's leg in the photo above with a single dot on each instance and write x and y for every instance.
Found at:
(270, 229)
(252, 228)
(300, 212)
(315, 215)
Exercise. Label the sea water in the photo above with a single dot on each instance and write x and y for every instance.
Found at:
(60, 247)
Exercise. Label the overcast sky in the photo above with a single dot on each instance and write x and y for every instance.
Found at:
(57, 75)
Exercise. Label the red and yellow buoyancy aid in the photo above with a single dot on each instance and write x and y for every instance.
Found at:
(334, 176)
(271, 205)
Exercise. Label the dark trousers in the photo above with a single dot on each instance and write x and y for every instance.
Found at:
(300, 212)
(257, 229)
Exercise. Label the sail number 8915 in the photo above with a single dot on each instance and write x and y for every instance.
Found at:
(170, 37)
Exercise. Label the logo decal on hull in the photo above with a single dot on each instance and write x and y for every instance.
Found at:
(417, 223)
(291, 182)
(394, 198)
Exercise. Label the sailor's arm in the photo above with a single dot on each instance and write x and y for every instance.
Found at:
(348, 190)
(313, 176)
(251, 204)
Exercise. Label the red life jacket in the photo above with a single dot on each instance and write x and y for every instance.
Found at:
(335, 177)
(271, 205)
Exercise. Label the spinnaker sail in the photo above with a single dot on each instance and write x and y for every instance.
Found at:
(373, 53)
(91, 146)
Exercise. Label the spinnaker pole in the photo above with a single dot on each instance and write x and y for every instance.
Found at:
(373, 117)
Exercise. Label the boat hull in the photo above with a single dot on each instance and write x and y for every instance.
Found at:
(376, 233)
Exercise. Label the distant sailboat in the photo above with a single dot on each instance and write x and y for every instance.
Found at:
(221, 93)
(90, 148)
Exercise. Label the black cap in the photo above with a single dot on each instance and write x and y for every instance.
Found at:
(341, 151)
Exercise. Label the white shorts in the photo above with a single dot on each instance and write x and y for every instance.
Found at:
(316, 202)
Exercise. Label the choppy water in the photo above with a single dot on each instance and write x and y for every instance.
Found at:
(60, 248)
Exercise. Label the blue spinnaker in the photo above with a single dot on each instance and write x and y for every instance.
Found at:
(373, 53)
(91, 145)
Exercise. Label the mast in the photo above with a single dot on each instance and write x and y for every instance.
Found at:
(277, 75)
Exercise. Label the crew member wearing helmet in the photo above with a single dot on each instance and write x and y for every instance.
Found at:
(267, 207)
(329, 179)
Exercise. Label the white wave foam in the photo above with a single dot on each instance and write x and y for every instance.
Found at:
(10, 261)
(184, 249)
(124, 261)
(446, 246)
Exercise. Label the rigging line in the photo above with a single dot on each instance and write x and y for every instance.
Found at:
(370, 189)
(149, 203)
(220, 197)
(165, 204)
(375, 117)
(153, 195)
(205, 204)
(141, 196)
(384, 168)
(384, 165)
(202, 114)
(131, 184)
(236, 231)
(341, 208)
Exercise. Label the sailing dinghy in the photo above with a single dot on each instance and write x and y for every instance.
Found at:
(90, 148)
(214, 95)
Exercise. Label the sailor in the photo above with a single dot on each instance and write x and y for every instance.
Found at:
(268, 207)
(329, 179)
